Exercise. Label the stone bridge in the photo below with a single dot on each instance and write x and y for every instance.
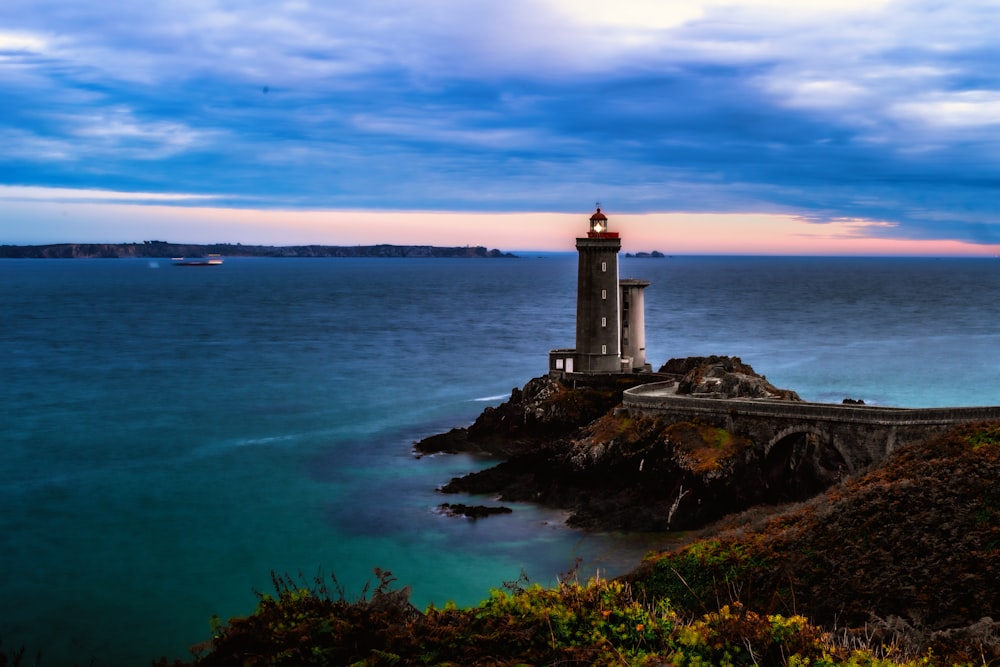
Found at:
(839, 439)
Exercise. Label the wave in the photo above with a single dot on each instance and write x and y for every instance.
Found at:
(224, 446)
(485, 399)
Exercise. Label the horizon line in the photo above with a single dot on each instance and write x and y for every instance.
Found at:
(535, 251)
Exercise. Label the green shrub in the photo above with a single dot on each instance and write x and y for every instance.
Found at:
(599, 623)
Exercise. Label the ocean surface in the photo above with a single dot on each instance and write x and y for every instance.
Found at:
(172, 435)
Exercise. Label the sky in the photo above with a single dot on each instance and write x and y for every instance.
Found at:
(702, 126)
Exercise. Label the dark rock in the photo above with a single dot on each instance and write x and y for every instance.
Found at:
(723, 377)
(454, 441)
(472, 511)
(543, 410)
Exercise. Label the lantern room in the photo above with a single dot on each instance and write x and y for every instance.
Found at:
(599, 226)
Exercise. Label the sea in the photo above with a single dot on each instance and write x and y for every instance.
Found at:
(170, 436)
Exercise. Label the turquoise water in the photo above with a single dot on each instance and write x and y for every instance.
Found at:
(171, 435)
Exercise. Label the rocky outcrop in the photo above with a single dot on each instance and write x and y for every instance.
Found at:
(544, 410)
(473, 512)
(568, 447)
(620, 473)
(723, 377)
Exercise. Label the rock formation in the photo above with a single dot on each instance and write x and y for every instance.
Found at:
(541, 412)
(473, 512)
(568, 447)
(723, 377)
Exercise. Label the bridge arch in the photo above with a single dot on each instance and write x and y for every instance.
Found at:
(820, 432)
(801, 460)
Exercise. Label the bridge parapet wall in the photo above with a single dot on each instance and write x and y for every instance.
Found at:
(659, 398)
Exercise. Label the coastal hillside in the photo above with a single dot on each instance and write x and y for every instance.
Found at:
(161, 249)
(908, 553)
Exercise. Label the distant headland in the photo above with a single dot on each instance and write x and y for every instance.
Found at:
(160, 249)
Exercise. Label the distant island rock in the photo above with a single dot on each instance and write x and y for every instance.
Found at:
(656, 254)
(161, 249)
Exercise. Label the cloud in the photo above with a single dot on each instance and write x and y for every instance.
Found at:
(965, 109)
(118, 131)
(14, 45)
(848, 110)
(73, 195)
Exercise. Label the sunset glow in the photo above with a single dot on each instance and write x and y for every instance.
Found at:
(670, 233)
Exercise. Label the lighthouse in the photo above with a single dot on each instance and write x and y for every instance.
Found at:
(610, 336)
(598, 339)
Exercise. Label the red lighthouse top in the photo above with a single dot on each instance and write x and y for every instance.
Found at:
(599, 226)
